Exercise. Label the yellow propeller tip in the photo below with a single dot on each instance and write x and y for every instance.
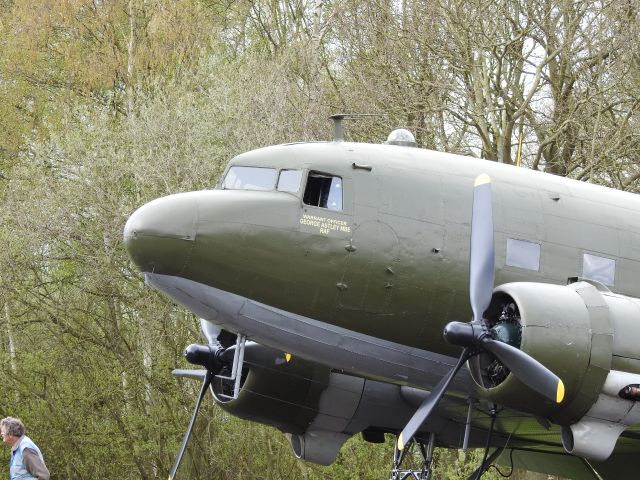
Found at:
(482, 179)
(287, 357)
(400, 442)
(560, 392)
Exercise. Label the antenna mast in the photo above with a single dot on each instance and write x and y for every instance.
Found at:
(338, 128)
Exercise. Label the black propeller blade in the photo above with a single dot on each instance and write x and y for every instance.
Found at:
(527, 369)
(430, 402)
(211, 357)
(203, 391)
(475, 336)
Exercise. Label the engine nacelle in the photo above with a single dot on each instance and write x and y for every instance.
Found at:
(566, 328)
(319, 409)
(584, 334)
(273, 391)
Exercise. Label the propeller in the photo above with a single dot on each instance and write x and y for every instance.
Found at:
(475, 336)
(211, 357)
(205, 385)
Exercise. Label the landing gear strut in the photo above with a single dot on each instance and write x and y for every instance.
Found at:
(426, 452)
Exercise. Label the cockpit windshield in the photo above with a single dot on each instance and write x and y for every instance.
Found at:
(250, 178)
(289, 181)
(322, 189)
(261, 178)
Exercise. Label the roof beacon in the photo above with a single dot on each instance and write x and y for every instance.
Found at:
(401, 137)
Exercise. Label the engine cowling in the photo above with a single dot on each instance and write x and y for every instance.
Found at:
(567, 328)
(585, 334)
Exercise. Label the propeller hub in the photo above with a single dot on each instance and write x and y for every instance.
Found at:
(207, 356)
(459, 333)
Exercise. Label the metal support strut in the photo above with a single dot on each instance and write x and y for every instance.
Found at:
(236, 369)
(424, 473)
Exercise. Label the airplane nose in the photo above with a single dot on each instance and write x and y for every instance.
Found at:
(160, 235)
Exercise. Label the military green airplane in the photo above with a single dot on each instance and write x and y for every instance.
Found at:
(334, 281)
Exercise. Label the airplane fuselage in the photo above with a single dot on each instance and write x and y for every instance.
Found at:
(392, 263)
(355, 256)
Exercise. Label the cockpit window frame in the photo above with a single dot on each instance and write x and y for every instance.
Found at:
(301, 180)
(306, 173)
(276, 176)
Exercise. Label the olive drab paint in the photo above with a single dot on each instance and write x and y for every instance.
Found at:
(363, 285)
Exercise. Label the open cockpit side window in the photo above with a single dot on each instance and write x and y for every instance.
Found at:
(323, 190)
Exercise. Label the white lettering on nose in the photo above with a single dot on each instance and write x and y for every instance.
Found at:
(325, 225)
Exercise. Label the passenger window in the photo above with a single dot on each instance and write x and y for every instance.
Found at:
(289, 181)
(250, 178)
(523, 254)
(324, 191)
(599, 268)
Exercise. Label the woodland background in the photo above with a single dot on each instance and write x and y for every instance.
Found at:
(107, 104)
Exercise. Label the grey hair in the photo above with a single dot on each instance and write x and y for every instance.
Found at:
(12, 426)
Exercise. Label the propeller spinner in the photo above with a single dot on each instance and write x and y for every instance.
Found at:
(476, 336)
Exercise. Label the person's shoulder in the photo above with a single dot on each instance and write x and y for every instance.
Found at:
(27, 443)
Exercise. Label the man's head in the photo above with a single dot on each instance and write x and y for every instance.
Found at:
(11, 429)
